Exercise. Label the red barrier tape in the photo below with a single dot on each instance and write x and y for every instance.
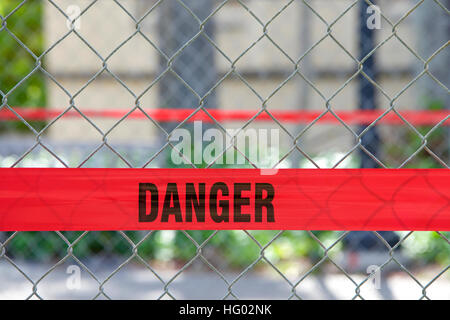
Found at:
(362, 117)
(212, 199)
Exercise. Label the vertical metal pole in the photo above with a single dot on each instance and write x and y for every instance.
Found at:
(364, 241)
(367, 95)
(195, 64)
(303, 96)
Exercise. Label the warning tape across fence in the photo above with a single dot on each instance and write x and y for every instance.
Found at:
(59, 199)
(355, 117)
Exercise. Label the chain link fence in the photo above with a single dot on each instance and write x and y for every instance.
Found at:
(255, 55)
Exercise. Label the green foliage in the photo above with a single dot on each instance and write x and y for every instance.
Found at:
(411, 142)
(16, 63)
(235, 247)
(429, 247)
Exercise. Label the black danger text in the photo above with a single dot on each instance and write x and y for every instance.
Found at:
(238, 202)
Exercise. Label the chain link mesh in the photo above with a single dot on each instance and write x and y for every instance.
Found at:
(196, 68)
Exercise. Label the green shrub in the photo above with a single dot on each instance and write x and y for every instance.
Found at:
(16, 63)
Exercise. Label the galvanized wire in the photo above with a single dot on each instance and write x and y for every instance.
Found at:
(201, 97)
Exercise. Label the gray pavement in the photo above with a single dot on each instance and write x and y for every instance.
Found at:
(134, 282)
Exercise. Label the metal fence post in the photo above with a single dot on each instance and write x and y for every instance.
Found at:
(191, 57)
(367, 95)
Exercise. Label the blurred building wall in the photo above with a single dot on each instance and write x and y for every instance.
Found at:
(105, 26)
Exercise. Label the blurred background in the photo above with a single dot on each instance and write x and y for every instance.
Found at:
(230, 55)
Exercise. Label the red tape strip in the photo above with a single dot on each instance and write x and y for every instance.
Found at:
(212, 199)
(362, 117)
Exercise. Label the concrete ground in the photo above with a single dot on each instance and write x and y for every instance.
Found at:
(134, 282)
